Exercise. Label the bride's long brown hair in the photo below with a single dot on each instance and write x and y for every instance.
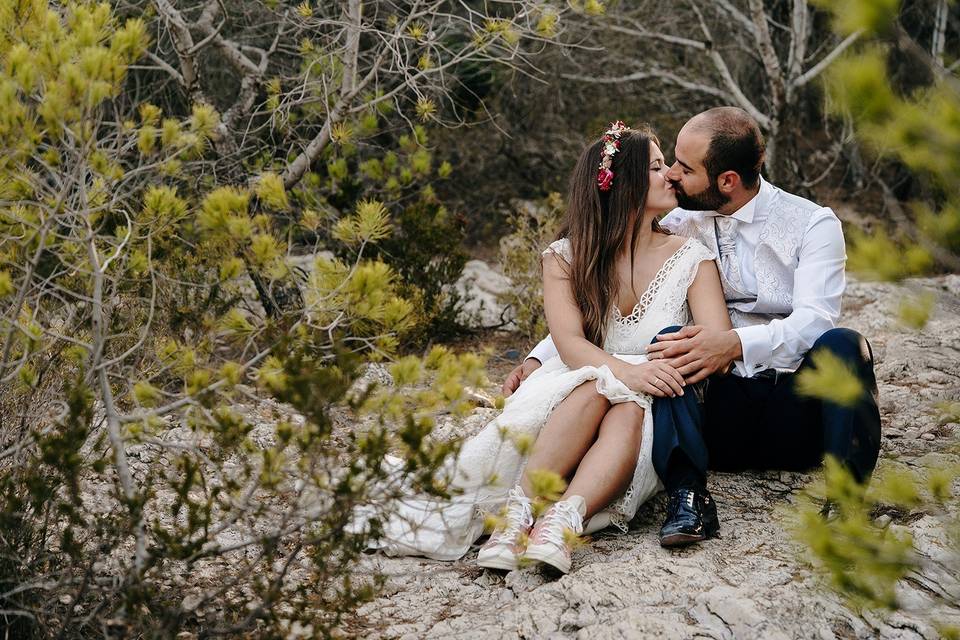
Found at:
(597, 224)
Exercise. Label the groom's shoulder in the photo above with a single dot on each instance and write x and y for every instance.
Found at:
(678, 218)
(782, 199)
(679, 214)
(807, 214)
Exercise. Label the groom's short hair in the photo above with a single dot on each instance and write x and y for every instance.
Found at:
(736, 143)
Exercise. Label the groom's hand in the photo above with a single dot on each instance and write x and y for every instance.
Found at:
(697, 352)
(519, 374)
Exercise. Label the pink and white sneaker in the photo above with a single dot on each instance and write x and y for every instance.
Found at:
(503, 549)
(552, 536)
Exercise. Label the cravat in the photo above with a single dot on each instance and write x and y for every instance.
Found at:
(726, 227)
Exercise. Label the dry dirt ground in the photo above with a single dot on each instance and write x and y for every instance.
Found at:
(750, 583)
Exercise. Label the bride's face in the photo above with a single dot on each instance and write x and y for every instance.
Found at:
(661, 196)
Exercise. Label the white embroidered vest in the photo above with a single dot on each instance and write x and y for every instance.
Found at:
(785, 218)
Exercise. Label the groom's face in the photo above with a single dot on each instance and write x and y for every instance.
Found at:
(696, 191)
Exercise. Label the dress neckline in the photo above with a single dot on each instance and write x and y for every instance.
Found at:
(647, 296)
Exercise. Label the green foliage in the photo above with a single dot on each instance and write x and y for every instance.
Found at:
(864, 557)
(547, 22)
(425, 251)
(547, 484)
(368, 224)
(831, 379)
(589, 7)
(143, 493)
(920, 128)
(914, 311)
(864, 561)
(879, 257)
(533, 228)
(384, 206)
(872, 16)
(271, 192)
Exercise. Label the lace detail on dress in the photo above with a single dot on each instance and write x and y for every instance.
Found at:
(676, 297)
(653, 288)
(664, 304)
(618, 517)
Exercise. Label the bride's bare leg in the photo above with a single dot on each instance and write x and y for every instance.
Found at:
(568, 433)
(607, 468)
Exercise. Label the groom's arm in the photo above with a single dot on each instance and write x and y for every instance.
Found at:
(819, 282)
(818, 285)
(544, 350)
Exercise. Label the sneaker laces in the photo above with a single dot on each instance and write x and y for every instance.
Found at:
(519, 517)
(563, 515)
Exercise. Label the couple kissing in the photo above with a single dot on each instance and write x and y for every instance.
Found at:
(674, 348)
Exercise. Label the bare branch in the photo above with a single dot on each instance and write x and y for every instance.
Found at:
(162, 64)
(738, 16)
(353, 17)
(721, 66)
(655, 74)
(939, 32)
(799, 32)
(184, 46)
(640, 32)
(827, 60)
(768, 55)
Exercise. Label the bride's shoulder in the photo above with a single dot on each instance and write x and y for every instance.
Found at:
(700, 251)
(696, 250)
(675, 242)
(561, 248)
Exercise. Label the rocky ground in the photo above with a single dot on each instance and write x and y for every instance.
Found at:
(750, 583)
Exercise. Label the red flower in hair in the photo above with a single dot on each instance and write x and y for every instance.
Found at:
(605, 179)
(611, 145)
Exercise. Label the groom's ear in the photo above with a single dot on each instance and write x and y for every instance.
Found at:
(728, 181)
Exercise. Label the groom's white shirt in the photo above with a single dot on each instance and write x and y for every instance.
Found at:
(791, 255)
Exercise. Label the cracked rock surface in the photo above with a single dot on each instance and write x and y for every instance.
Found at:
(750, 583)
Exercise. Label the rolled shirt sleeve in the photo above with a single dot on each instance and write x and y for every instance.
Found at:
(818, 287)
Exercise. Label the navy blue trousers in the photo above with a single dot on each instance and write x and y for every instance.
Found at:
(731, 423)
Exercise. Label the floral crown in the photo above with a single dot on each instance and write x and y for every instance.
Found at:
(611, 144)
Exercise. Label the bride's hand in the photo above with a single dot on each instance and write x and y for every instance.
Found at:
(656, 378)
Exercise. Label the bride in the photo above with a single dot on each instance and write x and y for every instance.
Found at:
(610, 284)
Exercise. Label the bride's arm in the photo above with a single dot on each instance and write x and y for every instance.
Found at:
(566, 327)
(705, 297)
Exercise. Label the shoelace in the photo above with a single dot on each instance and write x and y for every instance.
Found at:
(677, 498)
(519, 516)
(561, 516)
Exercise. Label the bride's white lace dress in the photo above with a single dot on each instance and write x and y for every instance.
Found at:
(489, 464)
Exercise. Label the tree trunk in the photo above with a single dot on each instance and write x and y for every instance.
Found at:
(772, 159)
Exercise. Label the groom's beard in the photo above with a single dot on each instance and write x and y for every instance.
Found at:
(710, 199)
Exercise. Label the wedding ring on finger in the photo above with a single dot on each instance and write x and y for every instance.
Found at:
(665, 387)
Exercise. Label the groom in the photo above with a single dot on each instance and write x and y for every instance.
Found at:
(781, 260)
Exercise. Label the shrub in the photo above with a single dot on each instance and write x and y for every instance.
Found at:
(171, 460)
(535, 226)
(866, 560)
